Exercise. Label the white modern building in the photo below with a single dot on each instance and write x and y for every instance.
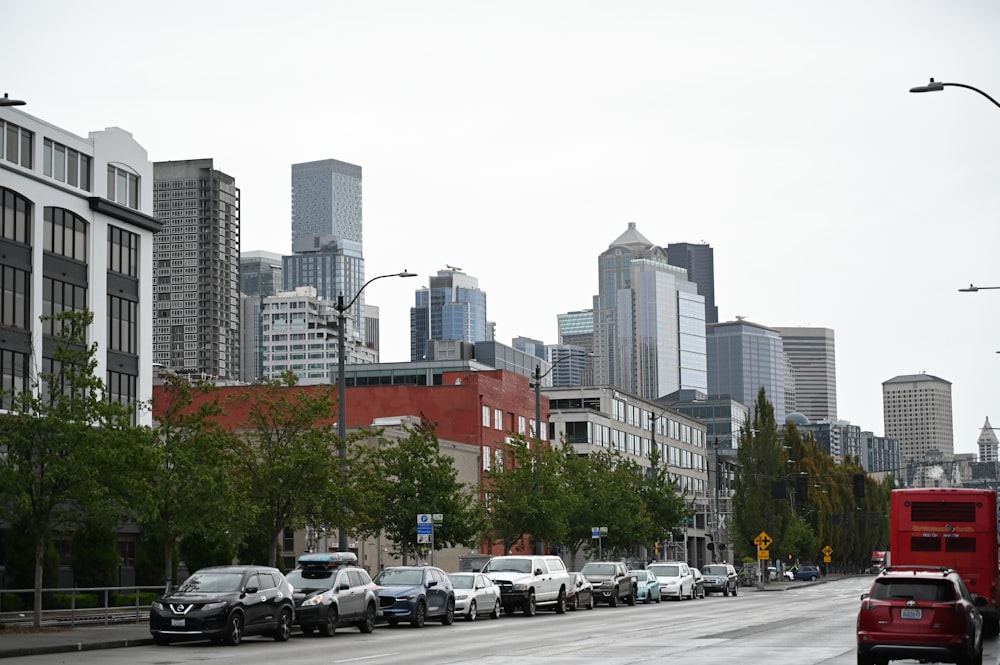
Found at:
(917, 412)
(76, 233)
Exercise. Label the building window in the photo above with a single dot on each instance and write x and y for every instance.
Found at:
(65, 234)
(15, 217)
(122, 389)
(123, 187)
(59, 297)
(13, 376)
(123, 252)
(123, 325)
(522, 425)
(498, 419)
(487, 458)
(486, 416)
(18, 144)
(15, 303)
(66, 165)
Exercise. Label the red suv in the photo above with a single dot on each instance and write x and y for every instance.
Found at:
(920, 612)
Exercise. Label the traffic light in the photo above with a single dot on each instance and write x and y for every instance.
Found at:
(778, 490)
(656, 548)
(711, 547)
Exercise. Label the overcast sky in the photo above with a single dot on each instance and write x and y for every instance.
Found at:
(517, 140)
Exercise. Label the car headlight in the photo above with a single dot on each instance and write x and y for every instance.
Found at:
(315, 600)
(406, 598)
(520, 587)
(158, 606)
(208, 607)
(461, 596)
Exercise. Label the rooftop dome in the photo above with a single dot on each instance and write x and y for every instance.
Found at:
(796, 419)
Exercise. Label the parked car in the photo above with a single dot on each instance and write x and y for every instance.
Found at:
(330, 591)
(415, 594)
(579, 592)
(809, 573)
(720, 578)
(225, 603)
(699, 583)
(529, 582)
(920, 612)
(475, 594)
(772, 574)
(676, 580)
(647, 586)
(612, 582)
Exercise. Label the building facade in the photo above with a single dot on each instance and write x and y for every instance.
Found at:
(744, 357)
(917, 412)
(452, 308)
(197, 270)
(260, 273)
(326, 200)
(812, 355)
(649, 321)
(987, 443)
(334, 267)
(699, 262)
(76, 233)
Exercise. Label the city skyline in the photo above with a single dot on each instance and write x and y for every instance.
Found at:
(780, 133)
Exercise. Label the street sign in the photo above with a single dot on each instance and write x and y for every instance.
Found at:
(595, 532)
(826, 559)
(763, 541)
(438, 519)
(763, 555)
(827, 552)
(424, 527)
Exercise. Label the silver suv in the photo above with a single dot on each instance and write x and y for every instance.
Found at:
(331, 590)
(720, 578)
(529, 581)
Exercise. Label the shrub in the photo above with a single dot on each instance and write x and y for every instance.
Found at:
(11, 602)
(128, 599)
(64, 601)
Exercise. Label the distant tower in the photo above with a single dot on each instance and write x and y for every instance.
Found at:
(699, 261)
(988, 443)
(917, 411)
(326, 200)
(744, 357)
(812, 355)
(452, 309)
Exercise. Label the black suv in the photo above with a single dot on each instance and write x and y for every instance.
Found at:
(331, 590)
(224, 603)
(612, 582)
(720, 578)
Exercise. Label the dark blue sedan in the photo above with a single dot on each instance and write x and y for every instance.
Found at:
(415, 594)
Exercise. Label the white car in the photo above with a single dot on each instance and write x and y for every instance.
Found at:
(475, 595)
(676, 579)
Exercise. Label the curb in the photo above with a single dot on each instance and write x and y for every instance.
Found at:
(71, 647)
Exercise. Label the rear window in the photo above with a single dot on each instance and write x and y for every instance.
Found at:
(599, 569)
(927, 590)
(666, 571)
(716, 570)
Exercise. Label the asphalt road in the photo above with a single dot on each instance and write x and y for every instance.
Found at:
(806, 625)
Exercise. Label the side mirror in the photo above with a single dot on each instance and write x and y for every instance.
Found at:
(538, 571)
(980, 601)
(250, 590)
(864, 595)
(432, 583)
(344, 586)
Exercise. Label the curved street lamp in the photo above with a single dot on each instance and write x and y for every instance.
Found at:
(937, 86)
(973, 288)
(7, 101)
(342, 384)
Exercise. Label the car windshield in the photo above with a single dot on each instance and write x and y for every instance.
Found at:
(599, 569)
(516, 565)
(640, 575)
(666, 570)
(211, 583)
(310, 579)
(461, 581)
(399, 577)
(715, 570)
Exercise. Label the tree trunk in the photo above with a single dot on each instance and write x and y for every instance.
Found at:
(272, 550)
(168, 564)
(39, 558)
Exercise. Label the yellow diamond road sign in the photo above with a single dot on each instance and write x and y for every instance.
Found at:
(763, 540)
(827, 551)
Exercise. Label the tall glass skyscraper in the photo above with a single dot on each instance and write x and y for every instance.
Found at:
(260, 273)
(649, 321)
(812, 354)
(744, 357)
(326, 199)
(452, 308)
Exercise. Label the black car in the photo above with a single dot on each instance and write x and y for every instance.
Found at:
(330, 590)
(225, 603)
(415, 594)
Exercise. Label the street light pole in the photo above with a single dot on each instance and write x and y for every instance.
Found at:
(7, 101)
(342, 544)
(937, 86)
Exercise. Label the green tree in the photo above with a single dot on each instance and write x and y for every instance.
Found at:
(526, 495)
(200, 490)
(95, 555)
(70, 452)
(410, 476)
(289, 456)
(663, 501)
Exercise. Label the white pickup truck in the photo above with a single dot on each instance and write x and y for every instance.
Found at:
(529, 581)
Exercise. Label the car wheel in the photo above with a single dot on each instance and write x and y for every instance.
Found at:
(591, 604)
(725, 590)
(614, 599)
(735, 586)
(283, 631)
(659, 596)
(495, 614)
(419, 614)
(530, 608)
(575, 605)
(329, 627)
(471, 615)
(561, 602)
(449, 613)
(812, 578)
(367, 624)
(631, 599)
(234, 629)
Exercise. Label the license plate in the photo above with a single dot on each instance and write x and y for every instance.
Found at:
(910, 613)
(177, 623)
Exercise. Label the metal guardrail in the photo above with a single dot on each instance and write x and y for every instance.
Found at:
(104, 613)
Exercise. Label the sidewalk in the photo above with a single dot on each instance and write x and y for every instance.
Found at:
(20, 641)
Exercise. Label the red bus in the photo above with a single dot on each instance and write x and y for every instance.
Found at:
(955, 528)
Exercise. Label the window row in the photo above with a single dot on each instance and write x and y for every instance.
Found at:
(123, 187)
(123, 325)
(14, 306)
(66, 165)
(15, 217)
(123, 251)
(65, 234)
(59, 297)
(14, 376)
